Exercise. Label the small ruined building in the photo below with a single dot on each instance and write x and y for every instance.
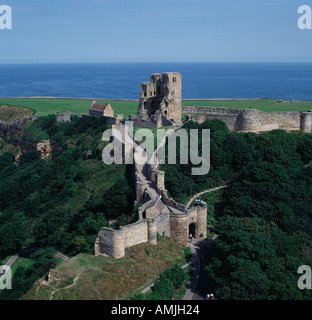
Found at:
(160, 101)
(101, 110)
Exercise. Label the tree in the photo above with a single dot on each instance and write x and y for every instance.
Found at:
(163, 289)
(29, 157)
(13, 234)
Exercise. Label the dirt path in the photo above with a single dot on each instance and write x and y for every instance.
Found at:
(71, 285)
(203, 192)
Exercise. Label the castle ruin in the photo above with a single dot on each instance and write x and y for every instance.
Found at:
(158, 214)
(160, 101)
(160, 105)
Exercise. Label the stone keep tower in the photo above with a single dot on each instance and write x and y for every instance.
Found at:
(160, 101)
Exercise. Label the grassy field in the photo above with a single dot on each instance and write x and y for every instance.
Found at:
(45, 106)
(104, 278)
(267, 105)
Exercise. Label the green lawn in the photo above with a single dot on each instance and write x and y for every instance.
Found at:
(267, 105)
(45, 106)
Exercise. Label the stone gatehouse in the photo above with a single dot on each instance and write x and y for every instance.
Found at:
(178, 226)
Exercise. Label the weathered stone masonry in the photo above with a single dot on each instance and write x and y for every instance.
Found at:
(252, 120)
(160, 105)
(159, 214)
(160, 101)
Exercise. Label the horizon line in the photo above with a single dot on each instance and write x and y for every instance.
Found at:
(146, 62)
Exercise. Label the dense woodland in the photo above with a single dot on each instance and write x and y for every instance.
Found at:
(61, 203)
(264, 218)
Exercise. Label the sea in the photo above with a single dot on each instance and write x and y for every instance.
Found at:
(122, 80)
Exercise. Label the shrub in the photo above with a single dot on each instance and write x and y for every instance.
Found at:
(188, 254)
(163, 289)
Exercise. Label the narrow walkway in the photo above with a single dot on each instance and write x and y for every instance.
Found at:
(189, 294)
(203, 192)
(61, 256)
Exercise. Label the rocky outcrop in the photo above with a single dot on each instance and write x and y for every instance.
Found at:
(45, 148)
(11, 131)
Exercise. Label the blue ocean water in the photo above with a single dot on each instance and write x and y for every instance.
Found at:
(122, 80)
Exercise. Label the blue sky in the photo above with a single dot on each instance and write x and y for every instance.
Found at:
(155, 31)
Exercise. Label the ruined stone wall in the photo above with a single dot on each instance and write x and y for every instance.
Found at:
(163, 224)
(135, 233)
(210, 110)
(114, 242)
(255, 120)
(251, 120)
(110, 242)
(201, 114)
(66, 116)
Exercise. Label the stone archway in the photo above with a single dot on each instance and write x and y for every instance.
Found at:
(192, 229)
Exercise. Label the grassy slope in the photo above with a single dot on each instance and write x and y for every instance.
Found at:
(107, 278)
(45, 106)
(11, 113)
